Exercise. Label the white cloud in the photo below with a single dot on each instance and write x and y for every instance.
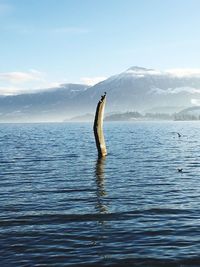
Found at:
(195, 101)
(184, 72)
(17, 82)
(92, 80)
(176, 90)
(50, 85)
(16, 90)
(17, 77)
(179, 72)
(9, 90)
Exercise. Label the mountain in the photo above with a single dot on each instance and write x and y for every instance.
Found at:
(127, 116)
(136, 89)
(142, 89)
(191, 110)
(191, 113)
(82, 118)
(48, 105)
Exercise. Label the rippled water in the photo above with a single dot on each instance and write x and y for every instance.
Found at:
(61, 206)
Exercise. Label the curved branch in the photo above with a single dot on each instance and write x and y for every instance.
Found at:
(98, 127)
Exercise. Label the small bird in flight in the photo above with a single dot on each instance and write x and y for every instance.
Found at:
(180, 169)
(179, 135)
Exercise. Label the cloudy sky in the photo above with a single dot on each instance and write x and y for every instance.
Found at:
(47, 42)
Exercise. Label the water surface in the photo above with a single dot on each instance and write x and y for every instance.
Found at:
(62, 206)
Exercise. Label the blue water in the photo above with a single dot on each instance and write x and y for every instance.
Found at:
(61, 206)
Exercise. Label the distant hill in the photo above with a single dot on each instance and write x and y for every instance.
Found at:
(133, 116)
(82, 118)
(127, 116)
(141, 89)
(191, 110)
(50, 105)
(192, 113)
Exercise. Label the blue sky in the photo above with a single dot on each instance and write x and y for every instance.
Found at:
(47, 42)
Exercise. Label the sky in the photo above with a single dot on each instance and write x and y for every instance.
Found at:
(44, 43)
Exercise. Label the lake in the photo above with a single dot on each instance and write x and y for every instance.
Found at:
(62, 206)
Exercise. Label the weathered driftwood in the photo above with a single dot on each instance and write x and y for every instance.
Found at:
(98, 127)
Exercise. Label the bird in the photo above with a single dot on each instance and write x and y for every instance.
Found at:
(179, 135)
(180, 169)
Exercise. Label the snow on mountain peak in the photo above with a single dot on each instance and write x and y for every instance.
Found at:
(136, 68)
(177, 72)
(141, 72)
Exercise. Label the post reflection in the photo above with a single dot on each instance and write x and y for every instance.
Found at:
(100, 180)
(100, 206)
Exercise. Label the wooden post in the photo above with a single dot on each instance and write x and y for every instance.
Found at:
(101, 189)
(98, 127)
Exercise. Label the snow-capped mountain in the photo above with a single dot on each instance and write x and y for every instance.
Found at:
(136, 89)
(143, 89)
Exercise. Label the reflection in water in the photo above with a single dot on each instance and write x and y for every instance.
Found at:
(100, 180)
(100, 206)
